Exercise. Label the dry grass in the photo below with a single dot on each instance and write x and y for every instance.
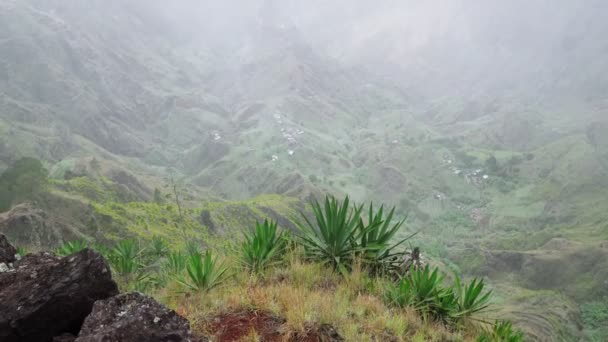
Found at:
(305, 295)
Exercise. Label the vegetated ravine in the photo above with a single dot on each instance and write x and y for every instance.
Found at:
(486, 132)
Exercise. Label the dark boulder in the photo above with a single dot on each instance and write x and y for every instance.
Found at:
(133, 317)
(64, 338)
(46, 296)
(7, 251)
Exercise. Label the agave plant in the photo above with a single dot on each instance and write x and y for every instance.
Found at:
(420, 289)
(158, 248)
(104, 250)
(423, 290)
(22, 251)
(374, 240)
(331, 239)
(70, 248)
(204, 272)
(502, 331)
(125, 257)
(471, 299)
(262, 247)
(175, 263)
(192, 248)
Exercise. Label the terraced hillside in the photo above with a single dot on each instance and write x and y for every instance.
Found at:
(492, 145)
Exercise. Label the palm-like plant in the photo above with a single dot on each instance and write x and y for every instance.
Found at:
(471, 299)
(374, 240)
(262, 247)
(125, 257)
(330, 240)
(424, 286)
(423, 290)
(204, 272)
(502, 331)
(22, 251)
(70, 248)
(175, 263)
(158, 248)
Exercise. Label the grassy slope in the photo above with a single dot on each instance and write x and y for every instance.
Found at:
(308, 295)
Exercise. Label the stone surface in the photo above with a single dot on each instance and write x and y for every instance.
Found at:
(7, 251)
(134, 317)
(46, 296)
(64, 338)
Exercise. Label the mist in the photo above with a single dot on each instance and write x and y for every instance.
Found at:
(182, 126)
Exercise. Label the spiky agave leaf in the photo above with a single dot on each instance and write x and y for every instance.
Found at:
(471, 298)
(262, 247)
(204, 272)
(71, 247)
(502, 331)
(374, 239)
(175, 263)
(125, 257)
(330, 239)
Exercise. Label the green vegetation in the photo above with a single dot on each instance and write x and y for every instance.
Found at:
(330, 241)
(502, 331)
(262, 247)
(175, 263)
(22, 251)
(340, 237)
(125, 257)
(308, 269)
(71, 247)
(423, 290)
(204, 272)
(374, 241)
(23, 181)
(595, 318)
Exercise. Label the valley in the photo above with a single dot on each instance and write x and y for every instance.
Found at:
(492, 148)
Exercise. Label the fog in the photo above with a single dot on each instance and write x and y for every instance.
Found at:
(507, 48)
(483, 122)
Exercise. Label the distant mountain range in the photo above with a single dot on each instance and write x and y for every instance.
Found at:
(485, 123)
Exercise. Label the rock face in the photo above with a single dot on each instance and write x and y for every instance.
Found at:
(45, 296)
(134, 317)
(7, 251)
(28, 225)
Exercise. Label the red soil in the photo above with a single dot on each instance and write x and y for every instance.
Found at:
(233, 326)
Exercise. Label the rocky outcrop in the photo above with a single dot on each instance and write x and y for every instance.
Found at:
(44, 296)
(7, 251)
(28, 225)
(134, 317)
(553, 266)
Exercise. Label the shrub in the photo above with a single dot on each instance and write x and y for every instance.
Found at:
(471, 298)
(192, 248)
(262, 247)
(204, 272)
(374, 238)
(175, 263)
(330, 240)
(158, 248)
(24, 180)
(125, 257)
(70, 248)
(341, 236)
(22, 251)
(418, 290)
(502, 331)
(104, 250)
(423, 290)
